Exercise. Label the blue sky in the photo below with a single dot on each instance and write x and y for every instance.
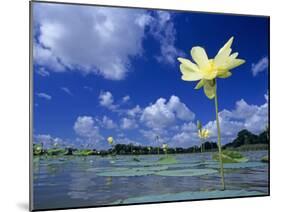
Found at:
(102, 72)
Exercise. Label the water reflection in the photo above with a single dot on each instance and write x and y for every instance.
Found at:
(73, 181)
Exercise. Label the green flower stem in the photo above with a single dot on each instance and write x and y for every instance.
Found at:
(219, 138)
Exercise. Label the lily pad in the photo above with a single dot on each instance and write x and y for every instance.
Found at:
(265, 159)
(183, 165)
(125, 173)
(135, 163)
(106, 169)
(189, 196)
(186, 172)
(230, 157)
(167, 160)
(151, 168)
(237, 165)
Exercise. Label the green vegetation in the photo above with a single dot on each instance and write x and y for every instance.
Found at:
(265, 159)
(245, 141)
(230, 157)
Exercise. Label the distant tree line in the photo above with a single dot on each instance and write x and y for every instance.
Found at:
(245, 140)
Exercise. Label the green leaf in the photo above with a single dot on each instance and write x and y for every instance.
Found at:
(237, 165)
(186, 172)
(167, 160)
(200, 84)
(210, 89)
(230, 157)
(265, 159)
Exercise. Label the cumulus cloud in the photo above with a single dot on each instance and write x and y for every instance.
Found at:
(126, 98)
(162, 28)
(108, 123)
(164, 113)
(260, 66)
(88, 39)
(44, 96)
(47, 140)
(133, 112)
(127, 123)
(106, 100)
(185, 139)
(245, 116)
(98, 40)
(86, 128)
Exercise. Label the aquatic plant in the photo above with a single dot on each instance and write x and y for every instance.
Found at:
(203, 134)
(38, 149)
(165, 148)
(207, 71)
(168, 159)
(230, 157)
(110, 141)
(265, 159)
(157, 141)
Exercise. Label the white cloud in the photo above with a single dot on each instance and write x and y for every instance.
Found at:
(162, 113)
(155, 137)
(125, 140)
(99, 40)
(44, 96)
(127, 123)
(260, 66)
(88, 39)
(185, 139)
(245, 116)
(86, 128)
(189, 127)
(126, 98)
(47, 140)
(180, 109)
(108, 123)
(134, 111)
(42, 72)
(66, 90)
(162, 28)
(106, 100)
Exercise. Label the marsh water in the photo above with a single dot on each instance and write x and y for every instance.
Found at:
(74, 181)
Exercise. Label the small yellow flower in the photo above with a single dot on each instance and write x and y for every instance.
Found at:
(204, 133)
(206, 70)
(38, 148)
(165, 146)
(110, 140)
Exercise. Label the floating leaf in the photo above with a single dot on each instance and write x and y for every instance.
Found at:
(230, 157)
(167, 160)
(183, 165)
(186, 172)
(125, 173)
(106, 169)
(135, 163)
(151, 168)
(265, 159)
(237, 165)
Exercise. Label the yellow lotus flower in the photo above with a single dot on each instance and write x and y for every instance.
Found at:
(165, 146)
(110, 140)
(203, 133)
(206, 70)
